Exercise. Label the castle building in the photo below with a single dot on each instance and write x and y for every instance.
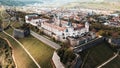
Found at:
(58, 27)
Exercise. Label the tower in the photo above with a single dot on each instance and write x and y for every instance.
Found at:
(58, 19)
(87, 26)
(60, 24)
(69, 23)
(54, 19)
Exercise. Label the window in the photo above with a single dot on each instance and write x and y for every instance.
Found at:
(36, 22)
(82, 34)
(66, 30)
(63, 34)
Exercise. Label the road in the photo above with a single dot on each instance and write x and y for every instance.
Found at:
(45, 40)
(108, 60)
(24, 49)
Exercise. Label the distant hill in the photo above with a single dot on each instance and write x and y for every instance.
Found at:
(109, 4)
(112, 0)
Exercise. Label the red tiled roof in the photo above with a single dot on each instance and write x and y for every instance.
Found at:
(55, 27)
(34, 17)
(79, 26)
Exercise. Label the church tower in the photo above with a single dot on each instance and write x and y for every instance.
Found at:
(87, 26)
(69, 23)
(58, 20)
(54, 19)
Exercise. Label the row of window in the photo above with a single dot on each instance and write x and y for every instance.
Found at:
(73, 34)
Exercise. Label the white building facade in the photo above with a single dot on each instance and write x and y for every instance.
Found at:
(58, 27)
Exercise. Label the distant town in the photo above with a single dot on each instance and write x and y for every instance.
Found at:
(59, 37)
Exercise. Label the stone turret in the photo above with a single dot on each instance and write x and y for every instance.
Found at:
(87, 26)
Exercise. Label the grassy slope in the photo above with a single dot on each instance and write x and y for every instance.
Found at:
(21, 57)
(16, 24)
(103, 5)
(9, 31)
(98, 55)
(114, 63)
(40, 51)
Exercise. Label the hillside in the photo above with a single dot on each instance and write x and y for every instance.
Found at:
(98, 5)
(104, 4)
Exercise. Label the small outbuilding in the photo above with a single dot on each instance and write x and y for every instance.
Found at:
(19, 33)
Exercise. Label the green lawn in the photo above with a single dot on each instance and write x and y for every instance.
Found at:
(114, 63)
(40, 51)
(16, 24)
(98, 55)
(21, 57)
(9, 31)
(5, 24)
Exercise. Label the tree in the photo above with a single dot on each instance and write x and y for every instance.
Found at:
(61, 53)
(68, 56)
(115, 34)
(1, 26)
(101, 32)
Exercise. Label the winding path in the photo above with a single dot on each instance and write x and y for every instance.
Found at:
(103, 64)
(24, 49)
